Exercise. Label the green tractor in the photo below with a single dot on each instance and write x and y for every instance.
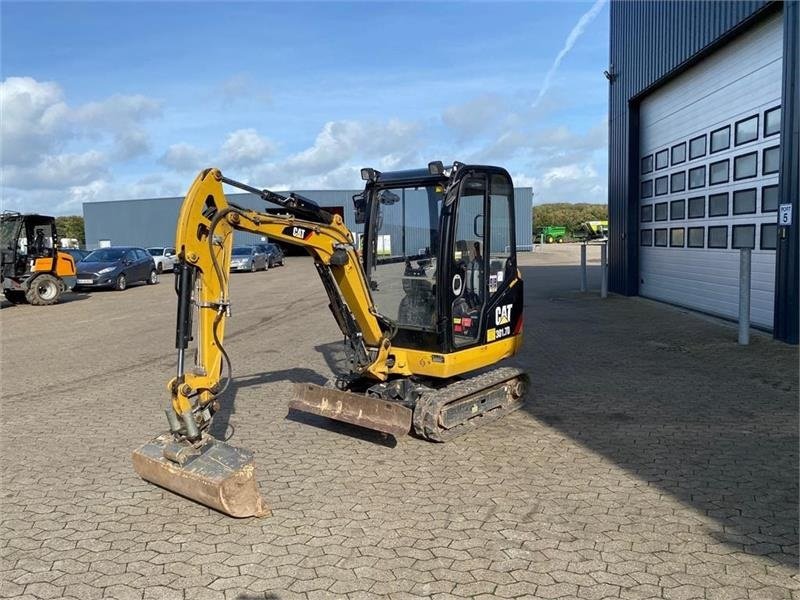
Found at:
(551, 234)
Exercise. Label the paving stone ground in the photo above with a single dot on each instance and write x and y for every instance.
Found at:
(655, 459)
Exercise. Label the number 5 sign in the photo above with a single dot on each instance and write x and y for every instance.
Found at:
(785, 215)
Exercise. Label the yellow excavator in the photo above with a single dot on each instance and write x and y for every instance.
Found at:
(428, 301)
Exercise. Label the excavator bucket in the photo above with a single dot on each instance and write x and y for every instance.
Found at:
(357, 409)
(211, 472)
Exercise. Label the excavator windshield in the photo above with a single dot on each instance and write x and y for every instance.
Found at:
(404, 244)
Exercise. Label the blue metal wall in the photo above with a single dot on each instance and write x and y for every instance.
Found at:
(651, 41)
(151, 222)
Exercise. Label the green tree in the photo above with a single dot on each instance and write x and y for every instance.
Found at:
(71, 227)
(564, 214)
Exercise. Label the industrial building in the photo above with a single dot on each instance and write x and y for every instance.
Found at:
(151, 222)
(704, 155)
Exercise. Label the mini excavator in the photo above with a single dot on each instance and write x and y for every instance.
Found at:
(429, 299)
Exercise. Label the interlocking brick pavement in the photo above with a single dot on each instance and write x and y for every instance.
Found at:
(654, 459)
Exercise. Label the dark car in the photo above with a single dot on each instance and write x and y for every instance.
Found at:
(274, 253)
(76, 254)
(116, 268)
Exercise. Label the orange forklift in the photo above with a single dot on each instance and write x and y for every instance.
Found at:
(32, 268)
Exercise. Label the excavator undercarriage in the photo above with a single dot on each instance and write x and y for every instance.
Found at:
(428, 299)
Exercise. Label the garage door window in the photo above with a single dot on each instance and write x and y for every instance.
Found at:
(661, 237)
(721, 139)
(676, 239)
(677, 210)
(769, 198)
(647, 164)
(679, 154)
(746, 130)
(744, 202)
(769, 236)
(770, 162)
(661, 211)
(744, 236)
(662, 159)
(718, 205)
(697, 207)
(772, 121)
(697, 147)
(745, 166)
(696, 237)
(718, 172)
(647, 237)
(718, 236)
(647, 188)
(661, 186)
(647, 213)
(677, 182)
(697, 177)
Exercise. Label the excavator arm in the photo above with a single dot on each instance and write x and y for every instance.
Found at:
(186, 459)
(204, 239)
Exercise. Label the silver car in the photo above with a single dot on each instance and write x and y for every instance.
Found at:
(165, 258)
(247, 258)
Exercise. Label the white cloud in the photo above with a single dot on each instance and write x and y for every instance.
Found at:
(56, 171)
(117, 113)
(32, 114)
(339, 151)
(475, 116)
(54, 155)
(245, 147)
(184, 157)
(341, 141)
(130, 144)
(37, 123)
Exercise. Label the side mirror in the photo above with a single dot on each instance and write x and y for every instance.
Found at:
(360, 206)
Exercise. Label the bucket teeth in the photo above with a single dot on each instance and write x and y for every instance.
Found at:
(357, 409)
(211, 472)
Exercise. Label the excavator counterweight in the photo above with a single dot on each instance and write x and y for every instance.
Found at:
(428, 300)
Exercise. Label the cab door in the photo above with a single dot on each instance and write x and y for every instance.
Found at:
(485, 296)
(467, 263)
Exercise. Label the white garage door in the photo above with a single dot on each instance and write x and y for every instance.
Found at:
(708, 178)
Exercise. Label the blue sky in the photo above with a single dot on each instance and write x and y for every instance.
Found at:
(105, 101)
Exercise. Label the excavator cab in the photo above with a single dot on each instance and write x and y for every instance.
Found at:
(441, 256)
(33, 270)
(428, 299)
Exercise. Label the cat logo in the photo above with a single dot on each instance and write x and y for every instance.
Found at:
(301, 233)
(502, 314)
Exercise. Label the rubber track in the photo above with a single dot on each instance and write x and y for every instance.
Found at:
(429, 406)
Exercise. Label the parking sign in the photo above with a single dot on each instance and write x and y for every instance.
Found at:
(785, 215)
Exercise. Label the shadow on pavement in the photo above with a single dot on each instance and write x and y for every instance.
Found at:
(221, 427)
(65, 299)
(668, 396)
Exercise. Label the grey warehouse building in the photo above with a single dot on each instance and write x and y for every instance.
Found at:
(151, 222)
(704, 155)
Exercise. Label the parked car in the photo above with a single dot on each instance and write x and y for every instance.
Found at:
(77, 254)
(164, 257)
(274, 254)
(248, 258)
(116, 268)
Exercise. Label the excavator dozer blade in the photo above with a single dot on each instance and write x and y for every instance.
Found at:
(212, 473)
(357, 409)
